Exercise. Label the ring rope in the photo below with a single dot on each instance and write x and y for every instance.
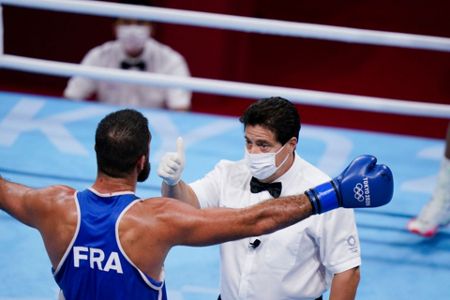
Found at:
(238, 23)
(229, 88)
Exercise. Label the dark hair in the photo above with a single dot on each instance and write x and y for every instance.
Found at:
(122, 137)
(276, 114)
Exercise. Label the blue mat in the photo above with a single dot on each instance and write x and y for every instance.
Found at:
(47, 141)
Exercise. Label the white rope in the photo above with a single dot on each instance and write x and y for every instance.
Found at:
(240, 24)
(221, 21)
(227, 88)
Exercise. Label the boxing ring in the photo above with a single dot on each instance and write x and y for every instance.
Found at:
(45, 141)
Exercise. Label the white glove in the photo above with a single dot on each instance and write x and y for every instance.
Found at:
(172, 164)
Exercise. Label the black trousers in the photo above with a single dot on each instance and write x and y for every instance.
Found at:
(320, 298)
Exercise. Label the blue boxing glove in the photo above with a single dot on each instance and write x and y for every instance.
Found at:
(362, 184)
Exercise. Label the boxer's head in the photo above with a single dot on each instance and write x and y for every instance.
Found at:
(122, 143)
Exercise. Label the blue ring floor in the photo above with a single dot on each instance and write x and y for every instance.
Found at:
(46, 141)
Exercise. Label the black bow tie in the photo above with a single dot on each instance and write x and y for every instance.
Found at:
(126, 65)
(273, 188)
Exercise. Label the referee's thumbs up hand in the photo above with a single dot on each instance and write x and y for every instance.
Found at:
(180, 150)
(171, 165)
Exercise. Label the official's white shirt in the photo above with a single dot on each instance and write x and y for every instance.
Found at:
(158, 58)
(297, 262)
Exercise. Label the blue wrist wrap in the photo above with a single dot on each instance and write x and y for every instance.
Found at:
(323, 198)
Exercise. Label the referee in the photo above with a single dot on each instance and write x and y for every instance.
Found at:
(299, 262)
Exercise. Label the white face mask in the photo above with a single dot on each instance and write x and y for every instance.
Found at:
(132, 37)
(263, 165)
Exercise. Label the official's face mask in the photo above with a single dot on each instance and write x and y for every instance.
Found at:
(133, 37)
(263, 165)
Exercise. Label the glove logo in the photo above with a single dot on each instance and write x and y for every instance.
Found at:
(359, 193)
(362, 191)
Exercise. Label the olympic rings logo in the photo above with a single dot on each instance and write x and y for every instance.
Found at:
(359, 193)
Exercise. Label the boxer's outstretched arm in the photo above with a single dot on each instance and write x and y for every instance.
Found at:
(29, 205)
(363, 183)
(181, 224)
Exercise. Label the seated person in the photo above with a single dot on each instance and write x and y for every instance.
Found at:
(134, 49)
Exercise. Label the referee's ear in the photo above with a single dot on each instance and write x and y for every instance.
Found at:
(292, 143)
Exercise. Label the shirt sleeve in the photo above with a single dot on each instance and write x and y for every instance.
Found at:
(79, 88)
(176, 65)
(208, 188)
(339, 242)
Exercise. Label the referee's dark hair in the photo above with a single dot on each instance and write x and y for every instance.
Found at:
(276, 114)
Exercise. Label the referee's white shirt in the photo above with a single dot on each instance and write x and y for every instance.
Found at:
(297, 262)
(158, 58)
